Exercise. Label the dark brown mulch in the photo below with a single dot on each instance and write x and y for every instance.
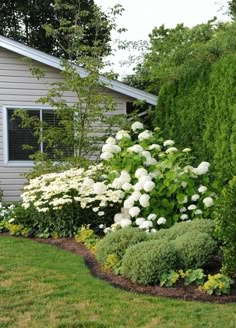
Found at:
(189, 293)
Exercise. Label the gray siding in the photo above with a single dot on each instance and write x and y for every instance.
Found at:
(19, 88)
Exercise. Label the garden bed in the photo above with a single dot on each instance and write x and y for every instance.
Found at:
(189, 293)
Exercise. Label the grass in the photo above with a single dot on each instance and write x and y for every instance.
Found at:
(43, 286)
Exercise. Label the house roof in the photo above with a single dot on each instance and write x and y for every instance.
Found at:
(52, 61)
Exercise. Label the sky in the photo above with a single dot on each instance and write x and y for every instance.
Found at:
(141, 16)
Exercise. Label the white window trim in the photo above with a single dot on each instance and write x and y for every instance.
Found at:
(6, 160)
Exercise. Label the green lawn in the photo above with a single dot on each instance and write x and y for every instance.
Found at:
(43, 286)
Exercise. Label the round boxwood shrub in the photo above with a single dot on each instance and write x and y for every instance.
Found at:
(117, 242)
(181, 228)
(195, 250)
(145, 262)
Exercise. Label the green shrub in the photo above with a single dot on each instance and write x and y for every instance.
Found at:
(181, 228)
(226, 227)
(117, 242)
(195, 250)
(145, 262)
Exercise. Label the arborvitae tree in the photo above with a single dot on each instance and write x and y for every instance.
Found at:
(24, 20)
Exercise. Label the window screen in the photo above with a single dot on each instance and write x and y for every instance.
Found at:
(17, 137)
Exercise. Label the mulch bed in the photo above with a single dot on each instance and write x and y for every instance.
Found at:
(188, 293)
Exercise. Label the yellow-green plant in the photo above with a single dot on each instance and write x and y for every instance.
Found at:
(217, 284)
(169, 279)
(87, 236)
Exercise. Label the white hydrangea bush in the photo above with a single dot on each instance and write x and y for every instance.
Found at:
(159, 184)
(143, 180)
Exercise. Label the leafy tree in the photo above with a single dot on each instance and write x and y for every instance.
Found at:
(24, 20)
(232, 8)
(79, 127)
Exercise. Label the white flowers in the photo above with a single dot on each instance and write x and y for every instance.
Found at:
(208, 201)
(122, 134)
(99, 188)
(106, 156)
(144, 200)
(148, 186)
(195, 197)
(137, 126)
(184, 217)
(134, 211)
(161, 220)
(145, 135)
(201, 169)
(168, 143)
(192, 207)
(140, 172)
(202, 189)
(171, 150)
(135, 149)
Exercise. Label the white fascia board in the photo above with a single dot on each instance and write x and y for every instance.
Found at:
(54, 62)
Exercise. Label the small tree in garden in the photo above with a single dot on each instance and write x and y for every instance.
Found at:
(73, 134)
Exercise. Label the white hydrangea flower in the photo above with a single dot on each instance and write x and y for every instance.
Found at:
(108, 148)
(136, 195)
(127, 186)
(154, 146)
(111, 141)
(88, 182)
(201, 169)
(145, 135)
(208, 201)
(144, 200)
(195, 197)
(152, 217)
(134, 211)
(153, 230)
(148, 186)
(137, 126)
(118, 217)
(106, 156)
(192, 207)
(198, 212)
(138, 186)
(101, 213)
(161, 220)
(135, 148)
(128, 203)
(202, 189)
(144, 179)
(122, 134)
(183, 209)
(186, 150)
(125, 223)
(168, 143)
(140, 172)
(99, 188)
(139, 221)
(146, 154)
(184, 217)
(125, 176)
(146, 225)
(184, 184)
(150, 161)
(11, 220)
(171, 150)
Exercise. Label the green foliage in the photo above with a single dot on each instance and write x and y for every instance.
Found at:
(217, 284)
(169, 279)
(145, 262)
(195, 250)
(197, 98)
(196, 276)
(75, 133)
(87, 236)
(30, 17)
(179, 229)
(117, 242)
(226, 226)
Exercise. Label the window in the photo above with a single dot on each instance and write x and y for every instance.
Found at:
(15, 136)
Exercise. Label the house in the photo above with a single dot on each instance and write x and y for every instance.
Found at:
(19, 89)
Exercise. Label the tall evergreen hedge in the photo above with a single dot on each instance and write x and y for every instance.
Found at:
(199, 110)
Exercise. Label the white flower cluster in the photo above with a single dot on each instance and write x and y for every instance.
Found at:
(55, 190)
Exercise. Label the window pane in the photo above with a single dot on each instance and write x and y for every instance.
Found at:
(58, 146)
(17, 137)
